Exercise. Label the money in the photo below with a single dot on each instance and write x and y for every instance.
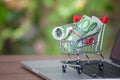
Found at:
(62, 32)
(85, 25)
(58, 33)
(75, 31)
(97, 28)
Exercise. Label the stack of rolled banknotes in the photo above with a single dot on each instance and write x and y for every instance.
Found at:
(77, 30)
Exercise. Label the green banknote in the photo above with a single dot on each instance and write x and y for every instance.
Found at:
(62, 32)
(74, 31)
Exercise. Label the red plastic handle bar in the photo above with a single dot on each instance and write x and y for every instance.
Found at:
(76, 18)
(104, 19)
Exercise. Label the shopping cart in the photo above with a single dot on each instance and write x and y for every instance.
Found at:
(89, 44)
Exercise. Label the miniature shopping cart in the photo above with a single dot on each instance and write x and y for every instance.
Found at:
(90, 44)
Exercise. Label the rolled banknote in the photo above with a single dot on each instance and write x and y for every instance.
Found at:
(61, 32)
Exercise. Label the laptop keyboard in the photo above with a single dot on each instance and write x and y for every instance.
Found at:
(109, 70)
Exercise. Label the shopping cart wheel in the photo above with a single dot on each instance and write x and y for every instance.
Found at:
(101, 66)
(77, 62)
(79, 70)
(64, 67)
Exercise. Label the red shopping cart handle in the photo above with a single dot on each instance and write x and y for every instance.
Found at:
(76, 18)
(104, 19)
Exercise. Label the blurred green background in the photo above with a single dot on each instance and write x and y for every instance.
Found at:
(26, 25)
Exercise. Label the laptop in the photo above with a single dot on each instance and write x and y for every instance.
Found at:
(52, 70)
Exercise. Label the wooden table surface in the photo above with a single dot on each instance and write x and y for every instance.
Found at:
(11, 68)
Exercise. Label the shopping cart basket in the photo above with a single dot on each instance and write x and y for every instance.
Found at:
(89, 44)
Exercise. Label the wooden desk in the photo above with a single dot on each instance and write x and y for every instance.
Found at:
(11, 68)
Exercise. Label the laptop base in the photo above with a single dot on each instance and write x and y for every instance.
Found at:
(52, 69)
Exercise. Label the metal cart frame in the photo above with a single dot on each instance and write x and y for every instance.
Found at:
(95, 47)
